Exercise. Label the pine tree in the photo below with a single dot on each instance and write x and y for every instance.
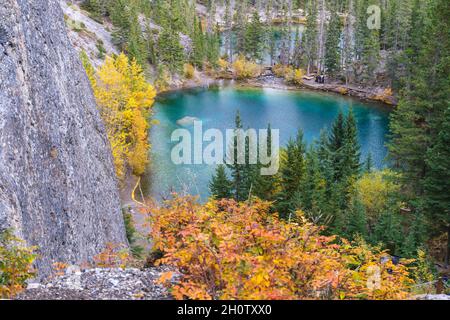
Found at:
(351, 151)
(120, 17)
(369, 163)
(388, 231)
(240, 23)
(437, 182)
(213, 47)
(136, 47)
(254, 38)
(265, 186)
(228, 32)
(283, 42)
(336, 143)
(292, 174)
(311, 36)
(417, 121)
(238, 169)
(220, 186)
(348, 51)
(170, 51)
(199, 45)
(312, 195)
(332, 45)
(358, 220)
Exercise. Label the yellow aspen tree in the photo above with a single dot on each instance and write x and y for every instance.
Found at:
(124, 99)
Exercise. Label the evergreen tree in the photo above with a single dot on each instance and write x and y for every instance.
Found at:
(272, 44)
(136, 47)
(312, 195)
(220, 186)
(388, 231)
(358, 220)
(417, 121)
(120, 17)
(437, 182)
(238, 169)
(199, 45)
(369, 163)
(254, 38)
(265, 186)
(213, 47)
(417, 234)
(332, 45)
(228, 32)
(351, 151)
(336, 144)
(170, 51)
(311, 36)
(240, 22)
(348, 51)
(292, 174)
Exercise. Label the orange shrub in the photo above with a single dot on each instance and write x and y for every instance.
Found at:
(227, 250)
(387, 96)
(113, 256)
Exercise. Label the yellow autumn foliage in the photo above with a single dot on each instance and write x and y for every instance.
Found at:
(124, 99)
(295, 76)
(223, 64)
(189, 71)
(290, 74)
(374, 190)
(245, 69)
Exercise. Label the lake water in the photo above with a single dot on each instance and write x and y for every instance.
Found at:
(287, 111)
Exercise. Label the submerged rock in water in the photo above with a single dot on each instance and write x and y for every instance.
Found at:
(187, 121)
(58, 189)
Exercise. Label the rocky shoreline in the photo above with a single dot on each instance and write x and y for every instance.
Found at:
(370, 94)
(101, 284)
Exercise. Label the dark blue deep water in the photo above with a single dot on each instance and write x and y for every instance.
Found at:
(287, 111)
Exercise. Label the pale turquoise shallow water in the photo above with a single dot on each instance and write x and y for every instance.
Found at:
(285, 110)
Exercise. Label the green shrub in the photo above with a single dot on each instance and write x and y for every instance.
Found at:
(16, 263)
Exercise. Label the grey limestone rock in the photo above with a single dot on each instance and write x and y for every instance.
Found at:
(58, 189)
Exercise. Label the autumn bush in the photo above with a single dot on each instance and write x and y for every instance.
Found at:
(290, 74)
(386, 96)
(223, 64)
(124, 99)
(295, 76)
(113, 256)
(375, 189)
(189, 71)
(227, 250)
(16, 262)
(246, 69)
(281, 70)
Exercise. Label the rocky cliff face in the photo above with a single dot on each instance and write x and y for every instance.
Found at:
(57, 182)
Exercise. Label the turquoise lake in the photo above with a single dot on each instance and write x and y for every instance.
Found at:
(287, 111)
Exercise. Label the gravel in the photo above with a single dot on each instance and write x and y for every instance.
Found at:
(101, 284)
